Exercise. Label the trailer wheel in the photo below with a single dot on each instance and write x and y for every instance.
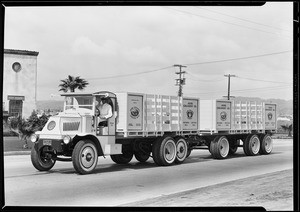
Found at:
(182, 149)
(233, 147)
(41, 160)
(85, 157)
(266, 144)
(219, 147)
(141, 157)
(251, 145)
(188, 153)
(164, 151)
(125, 157)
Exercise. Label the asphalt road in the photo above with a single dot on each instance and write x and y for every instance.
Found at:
(114, 185)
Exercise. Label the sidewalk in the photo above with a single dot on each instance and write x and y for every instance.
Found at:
(13, 146)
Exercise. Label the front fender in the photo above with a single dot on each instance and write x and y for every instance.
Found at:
(92, 138)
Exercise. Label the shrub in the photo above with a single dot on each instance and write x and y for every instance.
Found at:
(25, 128)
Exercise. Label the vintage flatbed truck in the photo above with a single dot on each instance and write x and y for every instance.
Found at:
(166, 128)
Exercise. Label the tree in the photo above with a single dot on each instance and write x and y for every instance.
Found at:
(288, 128)
(71, 83)
(25, 128)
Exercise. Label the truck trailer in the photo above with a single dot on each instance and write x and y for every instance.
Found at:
(166, 128)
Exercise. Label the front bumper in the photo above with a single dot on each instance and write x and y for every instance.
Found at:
(56, 145)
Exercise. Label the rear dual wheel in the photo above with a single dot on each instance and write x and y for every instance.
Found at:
(125, 157)
(219, 147)
(251, 145)
(182, 150)
(266, 145)
(164, 151)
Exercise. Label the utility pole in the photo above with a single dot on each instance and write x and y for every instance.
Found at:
(181, 81)
(229, 75)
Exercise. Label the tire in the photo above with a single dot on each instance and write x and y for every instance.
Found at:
(233, 147)
(219, 147)
(251, 145)
(141, 157)
(40, 160)
(189, 151)
(85, 157)
(181, 150)
(125, 157)
(266, 144)
(142, 150)
(164, 151)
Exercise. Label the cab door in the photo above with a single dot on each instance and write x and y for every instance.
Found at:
(111, 122)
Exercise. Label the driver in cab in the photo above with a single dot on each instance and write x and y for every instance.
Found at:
(104, 112)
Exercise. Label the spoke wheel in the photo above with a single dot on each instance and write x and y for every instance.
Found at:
(182, 150)
(42, 160)
(266, 146)
(164, 151)
(85, 157)
(219, 147)
(251, 145)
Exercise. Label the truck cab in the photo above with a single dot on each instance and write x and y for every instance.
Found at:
(75, 134)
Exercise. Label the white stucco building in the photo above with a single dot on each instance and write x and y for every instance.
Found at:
(19, 82)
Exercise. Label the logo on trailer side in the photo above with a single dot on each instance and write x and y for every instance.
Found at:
(134, 112)
(223, 116)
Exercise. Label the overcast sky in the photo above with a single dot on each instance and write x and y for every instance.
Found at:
(100, 44)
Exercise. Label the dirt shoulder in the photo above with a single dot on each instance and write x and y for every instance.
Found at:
(272, 191)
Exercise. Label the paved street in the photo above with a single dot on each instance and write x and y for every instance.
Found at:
(113, 185)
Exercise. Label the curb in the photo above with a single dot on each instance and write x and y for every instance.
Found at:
(16, 153)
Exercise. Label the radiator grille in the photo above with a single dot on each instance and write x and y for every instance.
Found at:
(70, 126)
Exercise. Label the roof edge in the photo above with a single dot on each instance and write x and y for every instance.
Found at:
(21, 52)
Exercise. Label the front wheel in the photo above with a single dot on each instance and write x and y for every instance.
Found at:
(41, 159)
(85, 157)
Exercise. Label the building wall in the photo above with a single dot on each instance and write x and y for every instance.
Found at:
(20, 83)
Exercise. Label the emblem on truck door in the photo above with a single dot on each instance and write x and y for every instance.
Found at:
(134, 112)
(223, 116)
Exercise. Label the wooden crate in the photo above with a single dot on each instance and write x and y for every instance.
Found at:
(152, 115)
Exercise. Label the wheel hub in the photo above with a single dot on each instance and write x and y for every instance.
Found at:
(89, 157)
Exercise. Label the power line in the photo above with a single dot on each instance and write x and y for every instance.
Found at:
(263, 80)
(201, 80)
(238, 58)
(245, 90)
(253, 22)
(191, 64)
(127, 75)
(182, 11)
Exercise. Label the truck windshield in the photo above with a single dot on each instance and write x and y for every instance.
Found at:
(79, 102)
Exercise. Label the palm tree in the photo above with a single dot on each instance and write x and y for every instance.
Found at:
(288, 128)
(72, 83)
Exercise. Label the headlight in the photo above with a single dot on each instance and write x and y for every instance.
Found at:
(51, 125)
(34, 138)
(66, 139)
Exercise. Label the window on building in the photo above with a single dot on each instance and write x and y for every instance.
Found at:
(15, 107)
